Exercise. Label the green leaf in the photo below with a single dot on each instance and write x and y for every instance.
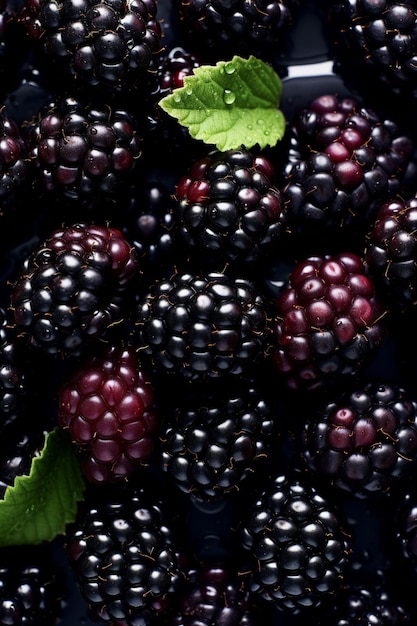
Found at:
(231, 104)
(40, 505)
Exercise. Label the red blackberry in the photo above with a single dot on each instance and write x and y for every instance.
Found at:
(108, 408)
(365, 440)
(344, 161)
(391, 253)
(217, 438)
(73, 288)
(219, 29)
(215, 595)
(84, 155)
(327, 322)
(113, 44)
(229, 210)
(31, 586)
(124, 555)
(297, 543)
(202, 327)
(378, 38)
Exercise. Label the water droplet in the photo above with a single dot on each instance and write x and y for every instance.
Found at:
(177, 97)
(229, 96)
(188, 91)
(266, 132)
(229, 68)
(250, 127)
(261, 122)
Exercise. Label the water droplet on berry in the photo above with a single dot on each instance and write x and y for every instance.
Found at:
(229, 68)
(228, 96)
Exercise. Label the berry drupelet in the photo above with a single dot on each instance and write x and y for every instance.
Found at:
(298, 545)
(364, 441)
(14, 163)
(228, 210)
(13, 374)
(327, 322)
(72, 288)
(108, 408)
(201, 326)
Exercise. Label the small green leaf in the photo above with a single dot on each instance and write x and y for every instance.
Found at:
(40, 505)
(231, 104)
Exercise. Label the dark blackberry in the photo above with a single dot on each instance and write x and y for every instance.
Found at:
(202, 327)
(214, 595)
(13, 374)
(228, 209)
(73, 288)
(344, 161)
(216, 439)
(84, 156)
(219, 29)
(108, 407)
(391, 253)
(31, 586)
(109, 44)
(327, 322)
(298, 545)
(365, 440)
(14, 163)
(124, 555)
(378, 38)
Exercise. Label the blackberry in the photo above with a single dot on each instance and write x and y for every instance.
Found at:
(327, 322)
(108, 408)
(229, 210)
(297, 544)
(14, 164)
(31, 586)
(391, 253)
(109, 44)
(72, 288)
(201, 326)
(217, 439)
(84, 155)
(218, 29)
(365, 440)
(215, 595)
(13, 374)
(344, 161)
(124, 555)
(380, 39)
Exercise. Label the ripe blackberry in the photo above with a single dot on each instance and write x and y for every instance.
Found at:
(21, 443)
(380, 39)
(107, 406)
(215, 595)
(297, 543)
(112, 44)
(14, 163)
(73, 288)
(391, 253)
(219, 29)
(84, 155)
(216, 439)
(13, 374)
(228, 209)
(124, 555)
(202, 327)
(365, 440)
(327, 322)
(344, 161)
(31, 586)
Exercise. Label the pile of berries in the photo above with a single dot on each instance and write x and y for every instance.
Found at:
(224, 338)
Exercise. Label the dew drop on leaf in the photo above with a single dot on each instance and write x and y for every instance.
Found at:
(229, 68)
(229, 96)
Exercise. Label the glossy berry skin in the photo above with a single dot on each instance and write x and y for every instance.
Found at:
(380, 39)
(108, 408)
(84, 154)
(220, 29)
(110, 44)
(391, 253)
(72, 288)
(228, 209)
(327, 322)
(21, 443)
(201, 327)
(344, 161)
(13, 375)
(297, 543)
(365, 440)
(214, 595)
(31, 586)
(217, 439)
(124, 557)
(14, 163)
